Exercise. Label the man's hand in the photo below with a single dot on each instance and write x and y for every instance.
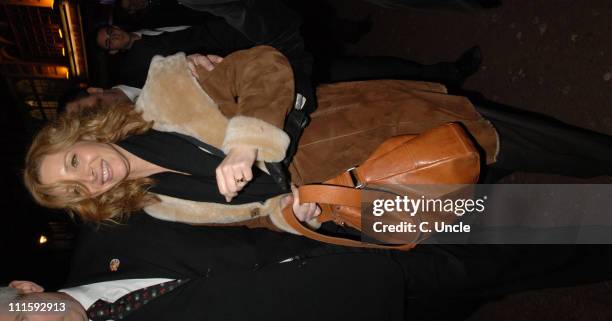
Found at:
(25, 287)
(98, 97)
(208, 62)
(235, 171)
(303, 212)
(95, 90)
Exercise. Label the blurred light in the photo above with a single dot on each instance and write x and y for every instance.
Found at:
(72, 28)
(55, 71)
(60, 33)
(42, 239)
(62, 71)
(63, 51)
(35, 3)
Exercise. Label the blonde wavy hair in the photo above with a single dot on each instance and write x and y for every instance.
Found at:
(103, 124)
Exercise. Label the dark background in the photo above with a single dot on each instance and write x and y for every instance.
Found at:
(553, 57)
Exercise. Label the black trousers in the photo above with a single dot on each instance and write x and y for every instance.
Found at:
(337, 69)
(533, 142)
(450, 282)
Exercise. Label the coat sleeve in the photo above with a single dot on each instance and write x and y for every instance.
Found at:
(260, 84)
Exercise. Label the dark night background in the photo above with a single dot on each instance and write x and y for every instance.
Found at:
(553, 57)
(23, 221)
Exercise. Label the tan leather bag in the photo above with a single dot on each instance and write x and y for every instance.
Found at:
(444, 155)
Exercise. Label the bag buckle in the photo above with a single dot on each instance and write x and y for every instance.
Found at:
(354, 178)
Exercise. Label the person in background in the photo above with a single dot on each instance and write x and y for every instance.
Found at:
(452, 74)
(136, 49)
(147, 269)
(94, 97)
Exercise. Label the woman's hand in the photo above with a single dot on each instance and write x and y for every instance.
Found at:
(235, 171)
(207, 62)
(303, 212)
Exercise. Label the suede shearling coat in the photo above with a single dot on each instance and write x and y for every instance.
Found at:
(245, 99)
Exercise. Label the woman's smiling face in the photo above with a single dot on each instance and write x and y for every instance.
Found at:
(97, 166)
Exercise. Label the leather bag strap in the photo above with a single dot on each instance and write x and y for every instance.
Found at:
(332, 195)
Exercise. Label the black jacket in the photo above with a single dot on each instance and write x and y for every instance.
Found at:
(213, 36)
(235, 273)
(263, 22)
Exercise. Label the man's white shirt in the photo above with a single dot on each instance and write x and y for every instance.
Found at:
(159, 31)
(131, 92)
(109, 291)
(112, 291)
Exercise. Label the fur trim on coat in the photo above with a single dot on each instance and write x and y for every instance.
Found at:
(176, 102)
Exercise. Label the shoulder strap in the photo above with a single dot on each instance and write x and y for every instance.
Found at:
(332, 195)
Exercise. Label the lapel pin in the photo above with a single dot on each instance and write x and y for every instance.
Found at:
(114, 265)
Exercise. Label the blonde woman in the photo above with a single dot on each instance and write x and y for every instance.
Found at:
(105, 163)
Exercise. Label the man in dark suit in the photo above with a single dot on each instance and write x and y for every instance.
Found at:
(224, 26)
(231, 274)
(136, 49)
(198, 273)
(263, 22)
